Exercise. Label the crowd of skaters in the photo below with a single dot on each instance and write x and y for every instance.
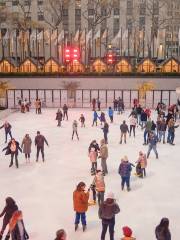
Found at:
(154, 131)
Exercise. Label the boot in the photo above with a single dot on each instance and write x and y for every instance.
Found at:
(128, 189)
(7, 237)
(120, 142)
(157, 156)
(76, 227)
(147, 155)
(11, 164)
(84, 228)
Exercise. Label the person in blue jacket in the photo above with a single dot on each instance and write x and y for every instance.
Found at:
(153, 139)
(95, 118)
(111, 113)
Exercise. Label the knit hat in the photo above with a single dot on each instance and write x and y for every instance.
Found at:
(125, 158)
(127, 231)
(110, 195)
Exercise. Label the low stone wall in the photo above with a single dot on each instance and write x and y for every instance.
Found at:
(6, 113)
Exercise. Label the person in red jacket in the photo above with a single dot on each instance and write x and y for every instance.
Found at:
(80, 200)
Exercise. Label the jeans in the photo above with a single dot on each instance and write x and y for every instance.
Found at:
(104, 165)
(105, 224)
(94, 166)
(81, 216)
(75, 132)
(27, 155)
(42, 152)
(132, 127)
(105, 137)
(111, 119)
(100, 196)
(65, 114)
(14, 154)
(145, 136)
(94, 122)
(59, 123)
(171, 137)
(152, 147)
(143, 123)
(139, 119)
(143, 172)
(162, 134)
(6, 134)
(125, 180)
(123, 135)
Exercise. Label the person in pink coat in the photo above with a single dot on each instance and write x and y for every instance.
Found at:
(93, 159)
(143, 162)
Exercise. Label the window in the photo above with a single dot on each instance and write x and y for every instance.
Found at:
(15, 2)
(65, 12)
(116, 11)
(103, 12)
(90, 12)
(142, 21)
(142, 10)
(40, 2)
(40, 16)
(27, 3)
(78, 12)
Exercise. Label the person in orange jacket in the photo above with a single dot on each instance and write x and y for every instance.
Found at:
(80, 200)
(127, 232)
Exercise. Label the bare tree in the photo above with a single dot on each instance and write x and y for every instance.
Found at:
(54, 12)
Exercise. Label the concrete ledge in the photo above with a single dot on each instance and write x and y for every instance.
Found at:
(7, 112)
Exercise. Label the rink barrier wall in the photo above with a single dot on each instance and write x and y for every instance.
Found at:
(82, 98)
(6, 113)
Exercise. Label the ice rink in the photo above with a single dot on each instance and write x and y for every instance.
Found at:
(43, 191)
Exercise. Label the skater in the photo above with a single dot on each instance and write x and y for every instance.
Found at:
(94, 145)
(26, 146)
(75, 127)
(162, 130)
(115, 103)
(143, 119)
(133, 123)
(82, 120)
(99, 184)
(124, 129)
(39, 106)
(59, 117)
(153, 127)
(102, 118)
(152, 144)
(7, 128)
(13, 149)
(125, 173)
(127, 232)
(103, 155)
(95, 118)
(93, 104)
(107, 212)
(120, 106)
(171, 131)
(61, 235)
(39, 143)
(65, 112)
(106, 131)
(80, 200)
(36, 105)
(147, 130)
(162, 230)
(99, 104)
(7, 212)
(93, 158)
(110, 114)
(142, 160)
(139, 111)
(16, 227)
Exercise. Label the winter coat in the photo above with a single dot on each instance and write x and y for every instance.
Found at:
(95, 116)
(143, 117)
(139, 110)
(7, 127)
(93, 156)
(102, 117)
(82, 119)
(153, 127)
(80, 200)
(99, 183)
(133, 121)
(124, 128)
(162, 126)
(104, 151)
(39, 141)
(108, 211)
(158, 124)
(65, 108)
(95, 146)
(143, 161)
(168, 117)
(26, 145)
(8, 148)
(148, 125)
(160, 235)
(153, 140)
(8, 211)
(75, 126)
(105, 128)
(125, 169)
(110, 112)
(59, 116)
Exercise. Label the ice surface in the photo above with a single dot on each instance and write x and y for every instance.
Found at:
(43, 191)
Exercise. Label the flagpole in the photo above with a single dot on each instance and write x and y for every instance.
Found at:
(128, 42)
(85, 48)
(57, 47)
(143, 41)
(100, 45)
(44, 48)
(121, 42)
(36, 47)
(50, 45)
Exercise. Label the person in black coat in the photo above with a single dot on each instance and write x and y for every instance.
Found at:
(105, 131)
(39, 143)
(59, 117)
(7, 127)
(65, 112)
(7, 212)
(94, 145)
(13, 148)
(162, 230)
(143, 119)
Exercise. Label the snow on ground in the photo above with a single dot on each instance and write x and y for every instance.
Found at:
(43, 191)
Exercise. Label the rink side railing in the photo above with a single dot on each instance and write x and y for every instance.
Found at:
(82, 98)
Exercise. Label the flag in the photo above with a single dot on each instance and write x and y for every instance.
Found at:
(179, 37)
(97, 35)
(12, 40)
(115, 41)
(83, 37)
(89, 36)
(61, 36)
(76, 37)
(54, 35)
(46, 36)
(104, 35)
(40, 36)
(125, 40)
